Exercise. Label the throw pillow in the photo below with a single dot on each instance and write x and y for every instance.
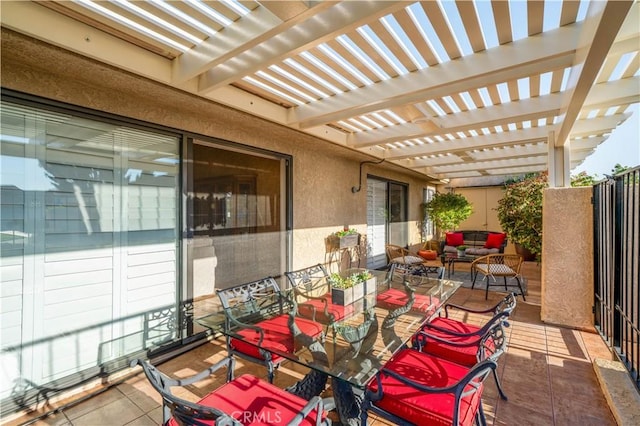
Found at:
(427, 254)
(454, 238)
(494, 241)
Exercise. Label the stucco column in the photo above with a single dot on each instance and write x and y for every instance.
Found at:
(567, 257)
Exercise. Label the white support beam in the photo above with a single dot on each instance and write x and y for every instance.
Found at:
(614, 93)
(599, 125)
(51, 27)
(513, 112)
(523, 136)
(247, 32)
(485, 165)
(328, 21)
(551, 50)
(586, 144)
(604, 19)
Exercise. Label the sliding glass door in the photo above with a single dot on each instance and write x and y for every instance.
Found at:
(386, 219)
(237, 219)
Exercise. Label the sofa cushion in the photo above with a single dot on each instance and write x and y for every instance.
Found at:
(454, 238)
(494, 241)
(481, 251)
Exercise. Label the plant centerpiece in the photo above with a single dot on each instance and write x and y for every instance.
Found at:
(367, 279)
(346, 290)
(344, 238)
(520, 212)
(461, 250)
(447, 211)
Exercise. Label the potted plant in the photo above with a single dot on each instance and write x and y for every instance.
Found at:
(447, 210)
(461, 250)
(345, 238)
(368, 280)
(344, 291)
(520, 213)
(348, 289)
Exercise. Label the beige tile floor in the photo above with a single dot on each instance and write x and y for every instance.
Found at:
(547, 374)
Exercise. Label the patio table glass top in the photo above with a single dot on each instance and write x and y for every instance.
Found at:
(369, 331)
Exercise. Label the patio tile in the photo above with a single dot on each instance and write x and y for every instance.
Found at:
(569, 411)
(509, 413)
(119, 412)
(58, 419)
(143, 421)
(94, 403)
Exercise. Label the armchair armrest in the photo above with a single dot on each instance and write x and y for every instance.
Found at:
(231, 319)
(499, 317)
(465, 309)
(478, 369)
(168, 382)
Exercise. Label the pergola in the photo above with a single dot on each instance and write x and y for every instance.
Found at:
(449, 89)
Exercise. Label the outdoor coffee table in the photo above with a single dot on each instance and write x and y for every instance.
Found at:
(450, 259)
(363, 342)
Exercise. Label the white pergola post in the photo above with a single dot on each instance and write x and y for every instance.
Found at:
(559, 163)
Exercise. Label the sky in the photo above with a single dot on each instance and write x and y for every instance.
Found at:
(622, 147)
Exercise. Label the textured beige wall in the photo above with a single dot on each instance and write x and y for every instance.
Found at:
(323, 172)
(567, 257)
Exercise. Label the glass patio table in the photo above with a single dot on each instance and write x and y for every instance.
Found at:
(374, 328)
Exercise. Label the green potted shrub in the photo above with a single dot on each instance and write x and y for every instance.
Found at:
(447, 210)
(461, 250)
(520, 213)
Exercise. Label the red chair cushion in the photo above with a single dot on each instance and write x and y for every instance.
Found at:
(423, 408)
(277, 336)
(253, 401)
(464, 355)
(339, 312)
(394, 298)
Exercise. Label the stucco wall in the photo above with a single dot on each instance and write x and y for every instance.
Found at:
(323, 172)
(567, 257)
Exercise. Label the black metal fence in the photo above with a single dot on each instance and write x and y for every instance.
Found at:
(617, 266)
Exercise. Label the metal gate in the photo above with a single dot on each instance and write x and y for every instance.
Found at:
(617, 266)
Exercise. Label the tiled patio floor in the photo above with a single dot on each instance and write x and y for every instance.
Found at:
(546, 373)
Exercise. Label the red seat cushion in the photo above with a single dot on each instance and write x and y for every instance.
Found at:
(339, 312)
(464, 355)
(394, 298)
(253, 401)
(276, 336)
(423, 408)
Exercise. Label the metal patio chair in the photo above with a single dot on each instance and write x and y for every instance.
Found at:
(260, 315)
(420, 388)
(243, 400)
